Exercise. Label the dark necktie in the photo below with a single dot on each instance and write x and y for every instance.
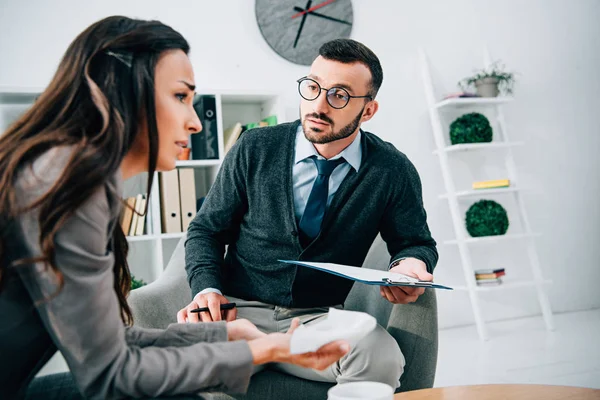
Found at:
(310, 224)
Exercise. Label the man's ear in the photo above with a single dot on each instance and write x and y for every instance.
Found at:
(370, 111)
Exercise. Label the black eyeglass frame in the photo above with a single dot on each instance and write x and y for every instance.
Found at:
(306, 78)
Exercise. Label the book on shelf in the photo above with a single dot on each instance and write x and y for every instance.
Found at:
(133, 221)
(140, 207)
(185, 154)
(497, 183)
(205, 144)
(489, 282)
(459, 95)
(177, 190)
(187, 196)
(489, 271)
(233, 133)
(271, 120)
(489, 276)
(127, 214)
(134, 218)
(170, 203)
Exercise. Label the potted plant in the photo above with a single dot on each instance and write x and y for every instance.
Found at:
(489, 82)
(136, 283)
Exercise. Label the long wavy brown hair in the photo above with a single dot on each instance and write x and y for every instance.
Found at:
(100, 98)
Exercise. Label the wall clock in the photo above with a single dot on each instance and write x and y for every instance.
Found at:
(296, 29)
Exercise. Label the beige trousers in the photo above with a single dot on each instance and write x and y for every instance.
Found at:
(377, 357)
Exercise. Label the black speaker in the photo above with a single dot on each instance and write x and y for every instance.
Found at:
(205, 145)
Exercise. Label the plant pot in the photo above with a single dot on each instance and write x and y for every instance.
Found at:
(487, 87)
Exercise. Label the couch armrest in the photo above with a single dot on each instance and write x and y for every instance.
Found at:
(156, 304)
(415, 328)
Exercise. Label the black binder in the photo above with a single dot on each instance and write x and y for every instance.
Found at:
(205, 145)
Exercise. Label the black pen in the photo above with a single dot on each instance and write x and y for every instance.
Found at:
(226, 306)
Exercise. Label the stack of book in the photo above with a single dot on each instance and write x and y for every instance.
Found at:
(486, 277)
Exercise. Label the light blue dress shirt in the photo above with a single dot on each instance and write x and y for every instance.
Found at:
(305, 171)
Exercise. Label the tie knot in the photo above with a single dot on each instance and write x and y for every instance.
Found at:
(326, 167)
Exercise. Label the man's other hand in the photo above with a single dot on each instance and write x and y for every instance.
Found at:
(211, 300)
(403, 294)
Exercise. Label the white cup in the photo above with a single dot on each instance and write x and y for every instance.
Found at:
(361, 390)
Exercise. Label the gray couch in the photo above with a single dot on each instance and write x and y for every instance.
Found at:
(414, 327)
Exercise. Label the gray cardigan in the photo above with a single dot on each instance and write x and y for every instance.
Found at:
(107, 359)
(250, 208)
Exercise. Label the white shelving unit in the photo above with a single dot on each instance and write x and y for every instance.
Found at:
(470, 101)
(197, 163)
(491, 239)
(476, 146)
(476, 193)
(149, 253)
(501, 142)
(232, 107)
(506, 285)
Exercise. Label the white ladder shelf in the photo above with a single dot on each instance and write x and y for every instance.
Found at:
(462, 240)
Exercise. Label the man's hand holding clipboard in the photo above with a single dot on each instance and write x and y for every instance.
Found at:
(405, 294)
(402, 284)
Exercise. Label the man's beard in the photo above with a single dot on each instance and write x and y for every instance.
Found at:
(313, 135)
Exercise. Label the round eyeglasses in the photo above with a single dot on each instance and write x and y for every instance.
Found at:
(337, 97)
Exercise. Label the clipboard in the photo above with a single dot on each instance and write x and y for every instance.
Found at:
(367, 275)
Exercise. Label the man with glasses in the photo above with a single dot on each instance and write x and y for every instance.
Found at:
(317, 189)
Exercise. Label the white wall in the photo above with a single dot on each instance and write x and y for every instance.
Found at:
(552, 43)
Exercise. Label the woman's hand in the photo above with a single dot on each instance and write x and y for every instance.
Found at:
(275, 347)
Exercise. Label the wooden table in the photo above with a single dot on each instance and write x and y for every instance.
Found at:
(494, 392)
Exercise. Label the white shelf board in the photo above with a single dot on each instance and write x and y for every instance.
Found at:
(177, 235)
(495, 238)
(142, 238)
(482, 192)
(478, 146)
(505, 285)
(247, 97)
(18, 95)
(21, 89)
(472, 101)
(197, 163)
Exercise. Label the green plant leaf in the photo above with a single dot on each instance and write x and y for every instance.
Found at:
(486, 218)
(471, 128)
(136, 283)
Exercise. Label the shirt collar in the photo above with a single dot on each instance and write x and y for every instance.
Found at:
(305, 149)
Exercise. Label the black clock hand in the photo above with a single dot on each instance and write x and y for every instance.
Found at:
(316, 14)
(302, 23)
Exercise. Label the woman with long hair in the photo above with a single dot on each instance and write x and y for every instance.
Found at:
(119, 104)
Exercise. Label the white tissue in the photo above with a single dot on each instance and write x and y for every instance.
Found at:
(351, 326)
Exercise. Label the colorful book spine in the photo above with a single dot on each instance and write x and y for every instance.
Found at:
(489, 271)
(498, 183)
(489, 282)
(489, 276)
